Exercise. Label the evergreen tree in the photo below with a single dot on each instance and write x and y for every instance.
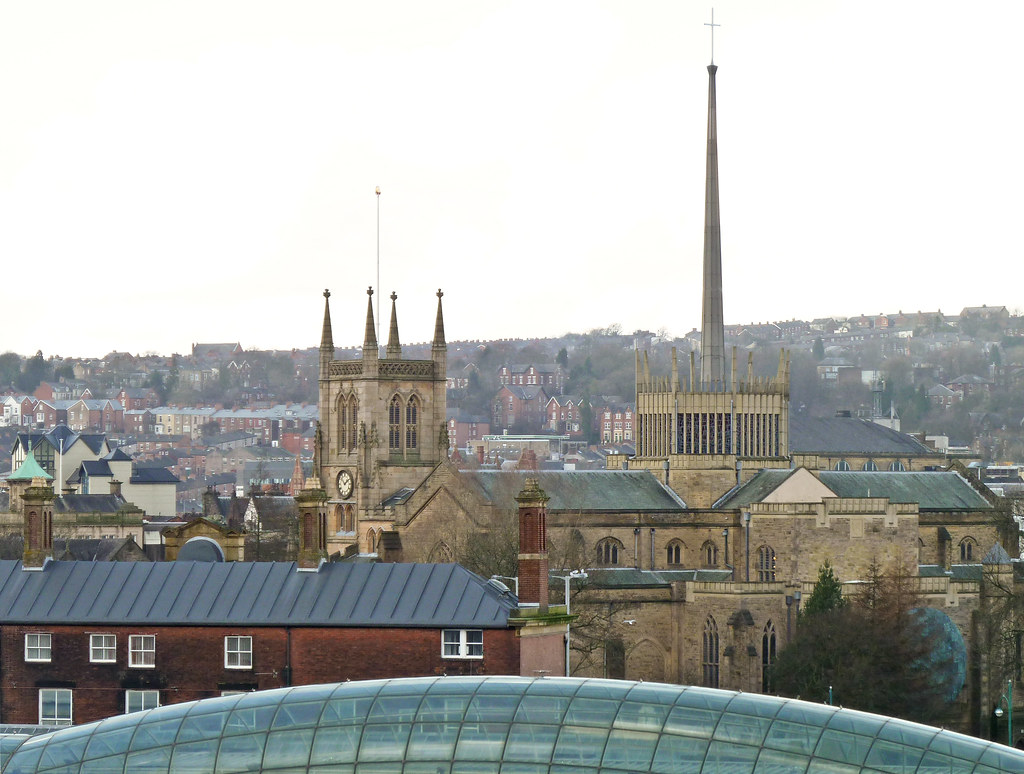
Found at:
(827, 594)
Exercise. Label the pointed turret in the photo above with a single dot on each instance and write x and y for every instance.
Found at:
(370, 335)
(712, 337)
(439, 349)
(394, 350)
(326, 338)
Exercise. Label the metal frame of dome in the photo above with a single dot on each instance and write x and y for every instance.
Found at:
(488, 725)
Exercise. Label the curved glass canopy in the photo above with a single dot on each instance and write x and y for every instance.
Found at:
(507, 725)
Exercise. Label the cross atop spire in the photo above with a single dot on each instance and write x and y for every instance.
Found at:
(712, 25)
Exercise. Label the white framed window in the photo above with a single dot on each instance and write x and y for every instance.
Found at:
(37, 647)
(55, 707)
(136, 701)
(462, 643)
(142, 651)
(102, 648)
(237, 652)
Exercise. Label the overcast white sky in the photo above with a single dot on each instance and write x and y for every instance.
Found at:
(200, 171)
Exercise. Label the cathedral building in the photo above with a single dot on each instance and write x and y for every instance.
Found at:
(383, 429)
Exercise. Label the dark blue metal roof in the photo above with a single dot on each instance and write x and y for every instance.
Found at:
(250, 593)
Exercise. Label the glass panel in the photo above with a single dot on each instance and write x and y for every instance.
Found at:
(111, 765)
(443, 708)
(201, 726)
(854, 722)
(384, 742)
(194, 758)
(240, 753)
(494, 709)
(481, 741)
(507, 685)
(936, 763)
(61, 753)
(753, 704)
(155, 734)
(542, 709)
(25, 760)
(580, 746)
(729, 758)
(629, 749)
(477, 767)
(743, 729)
(336, 745)
(904, 733)
(531, 743)
(150, 761)
(691, 722)
(795, 737)
(831, 767)
(524, 768)
(1004, 758)
(398, 709)
(430, 741)
(348, 710)
(592, 712)
(603, 689)
(295, 715)
(774, 762)
(641, 717)
(249, 719)
(681, 754)
(289, 747)
(654, 694)
(958, 746)
(811, 714)
(426, 767)
(893, 757)
(379, 767)
(702, 699)
(840, 746)
(109, 743)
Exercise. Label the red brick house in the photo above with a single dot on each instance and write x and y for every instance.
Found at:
(138, 398)
(519, 409)
(562, 414)
(463, 428)
(551, 376)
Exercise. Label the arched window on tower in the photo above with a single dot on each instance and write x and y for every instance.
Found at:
(353, 425)
(395, 424)
(675, 552)
(768, 650)
(967, 550)
(709, 553)
(412, 418)
(766, 563)
(608, 551)
(343, 423)
(709, 653)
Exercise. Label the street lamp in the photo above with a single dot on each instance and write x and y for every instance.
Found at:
(512, 578)
(573, 575)
(1008, 698)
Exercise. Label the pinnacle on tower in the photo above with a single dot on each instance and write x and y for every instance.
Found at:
(394, 350)
(326, 338)
(370, 336)
(439, 324)
(712, 337)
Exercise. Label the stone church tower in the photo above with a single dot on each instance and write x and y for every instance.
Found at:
(382, 429)
(698, 433)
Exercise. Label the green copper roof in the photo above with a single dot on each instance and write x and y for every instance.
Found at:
(931, 490)
(30, 469)
(586, 490)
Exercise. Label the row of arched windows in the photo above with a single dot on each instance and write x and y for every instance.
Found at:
(895, 466)
(610, 552)
(710, 657)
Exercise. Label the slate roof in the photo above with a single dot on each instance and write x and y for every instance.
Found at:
(629, 577)
(89, 503)
(588, 490)
(250, 594)
(846, 435)
(153, 476)
(931, 490)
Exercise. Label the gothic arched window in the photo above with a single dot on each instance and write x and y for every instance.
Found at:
(412, 418)
(709, 554)
(709, 653)
(674, 552)
(343, 423)
(766, 563)
(353, 425)
(608, 551)
(441, 554)
(395, 424)
(768, 649)
(967, 549)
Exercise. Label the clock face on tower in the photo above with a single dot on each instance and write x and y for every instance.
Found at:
(345, 484)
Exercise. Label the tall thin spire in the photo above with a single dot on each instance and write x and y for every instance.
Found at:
(394, 350)
(439, 349)
(439, 324)
(370, 337)
(326, 337)
(712, 337)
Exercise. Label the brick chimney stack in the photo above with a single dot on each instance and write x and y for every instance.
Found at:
(533, 545)
(37, 501)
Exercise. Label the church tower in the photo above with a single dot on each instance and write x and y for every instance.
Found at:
(382, 429)
(700, 431)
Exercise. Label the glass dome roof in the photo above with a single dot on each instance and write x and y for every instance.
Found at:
(507, 725)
